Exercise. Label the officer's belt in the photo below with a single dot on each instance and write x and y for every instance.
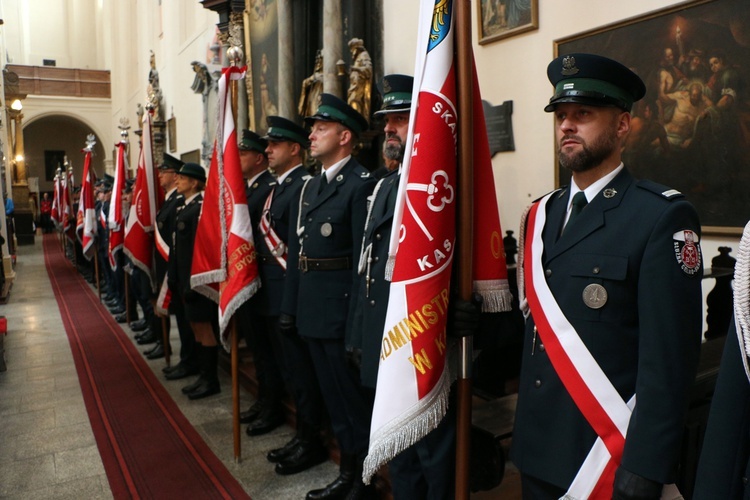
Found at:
(337, 264)
(268, 259)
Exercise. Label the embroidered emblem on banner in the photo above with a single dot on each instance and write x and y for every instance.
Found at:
(687, 251)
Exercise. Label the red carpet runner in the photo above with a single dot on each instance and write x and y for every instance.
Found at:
(148, 447)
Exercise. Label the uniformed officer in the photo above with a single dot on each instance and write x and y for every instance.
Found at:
(724, 466)
(166, 219)
(200, 310)
(426, 469)
(266, 414)
(612, 274)
(324, 244)
(287, 142)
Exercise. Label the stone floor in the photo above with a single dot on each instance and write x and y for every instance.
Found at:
(47, 448)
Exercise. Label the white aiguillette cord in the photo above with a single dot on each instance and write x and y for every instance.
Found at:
(742, 296)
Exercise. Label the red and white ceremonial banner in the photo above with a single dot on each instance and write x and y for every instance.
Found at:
(413, 380)
(55, 215)
(115, 219)
(588, 385)
(68, 216)
(86, 217)
(139, 229)
(224, 264)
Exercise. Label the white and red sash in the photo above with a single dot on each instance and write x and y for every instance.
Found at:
(273, 242)
(585, 381)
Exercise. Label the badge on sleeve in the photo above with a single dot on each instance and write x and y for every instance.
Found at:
(687, 251)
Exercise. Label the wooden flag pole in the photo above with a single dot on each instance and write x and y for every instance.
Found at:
(235, 391)
(464, 236)
(165, 341)
(96, 272)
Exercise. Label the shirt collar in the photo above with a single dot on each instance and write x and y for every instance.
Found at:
(594, 188)
(334, 169)
(286, 174)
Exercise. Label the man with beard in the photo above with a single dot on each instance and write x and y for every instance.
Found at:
(612, 292)
(425, 469)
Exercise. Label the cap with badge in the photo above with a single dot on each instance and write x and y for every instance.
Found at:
(194, 171)
(252, 142)
(397, 92)
(281, 129)
(333, 109)
(594, 80)
(129, 186)
(171, 163)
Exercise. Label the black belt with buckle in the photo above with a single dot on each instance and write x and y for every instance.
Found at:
(337, 264)
(267, 259)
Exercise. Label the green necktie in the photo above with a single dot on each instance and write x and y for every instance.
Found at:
(579, 201)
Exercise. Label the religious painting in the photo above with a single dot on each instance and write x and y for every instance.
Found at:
(692, 130)
(193, 156)
(500, 19)
(262, 52)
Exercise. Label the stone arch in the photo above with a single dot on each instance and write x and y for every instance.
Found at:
(60, 131)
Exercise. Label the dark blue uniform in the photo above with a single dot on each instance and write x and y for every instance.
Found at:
(645, 337)
(724, 466)
(323, 256)
(252, 323)
(198, 308)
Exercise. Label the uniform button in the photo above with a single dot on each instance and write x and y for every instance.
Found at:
(744, 480)
(596, 270)
(372, 303)
(372, 280)
(537, 383)
(378, 237)
(535, 330)
(346, 295)
(309, 219)
(306, 236)
(375, 259)
(541, 347)
(548, 272)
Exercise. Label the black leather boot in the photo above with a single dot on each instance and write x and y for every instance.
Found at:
(210, 384)
(342, 485)
(201, 375)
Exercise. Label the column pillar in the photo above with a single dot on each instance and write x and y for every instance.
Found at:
(332, 46)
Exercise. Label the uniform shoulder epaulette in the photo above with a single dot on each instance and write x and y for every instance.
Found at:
(660, 190)
(562, 190)
(362, 172)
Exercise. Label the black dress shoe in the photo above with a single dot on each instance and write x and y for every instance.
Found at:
(306, 455)
(251, 413)
(121, 318)
(139, 326)
(279, 454)
(337, 490)
(207, 388)
(117, 310)
(148, 339)
(155, 353)
(145, 333)
(111, 302)
(268, 420)
(170, 369)
(191, 387)
(181, 371)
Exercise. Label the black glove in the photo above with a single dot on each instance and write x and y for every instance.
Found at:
(464, 315)
(354, 358)
(629, 486)
(287, 324)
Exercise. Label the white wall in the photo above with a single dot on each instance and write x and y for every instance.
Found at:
(178, 32)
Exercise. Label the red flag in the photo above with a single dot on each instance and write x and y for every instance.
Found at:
(86, 217)
(139, 230)
(413, 378)
(55, 215)
(224, 253)
(115, 219)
